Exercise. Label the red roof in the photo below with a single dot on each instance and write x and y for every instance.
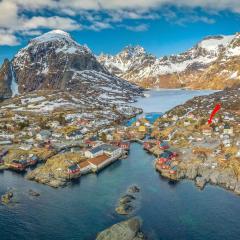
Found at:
(99, 159)
(84, 164)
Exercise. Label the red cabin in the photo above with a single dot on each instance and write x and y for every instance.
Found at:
(173, 171)
(18, 165)
(32, 161)
(163, 145)
(146, 145)
(73, 169)
(174, 154)
(124, 145)
(161, 160)
(164, 166)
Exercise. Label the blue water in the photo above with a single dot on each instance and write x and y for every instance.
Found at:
(151, 117)
(168, 211)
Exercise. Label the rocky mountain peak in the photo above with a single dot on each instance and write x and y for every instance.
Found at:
(54, 61)
(132, 51)
(131, 57)
(58, 41)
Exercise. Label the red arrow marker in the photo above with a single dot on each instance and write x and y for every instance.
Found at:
(215, 110)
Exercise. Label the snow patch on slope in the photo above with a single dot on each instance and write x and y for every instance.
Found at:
(212, 44)
(53, 36)
(14, 85)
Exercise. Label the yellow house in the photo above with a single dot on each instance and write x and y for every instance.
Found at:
(142, 129)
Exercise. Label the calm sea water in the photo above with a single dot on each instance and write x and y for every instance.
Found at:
(168, 211)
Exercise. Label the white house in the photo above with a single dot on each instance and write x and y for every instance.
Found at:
(54, 124)
(186, 123)
(43, 135)
(228, 130)
(109, 137)
(104, 148)
(94, 152)
(137, 123)
(226, 142)
(75, 135)
(174, 117)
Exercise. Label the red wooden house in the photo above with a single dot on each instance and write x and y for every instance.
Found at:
(73, 169)
(173, 170)
(32, 161)
(163, 145)
(124, 145)
(19, 165)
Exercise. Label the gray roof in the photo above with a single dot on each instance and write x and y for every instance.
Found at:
(103, 147)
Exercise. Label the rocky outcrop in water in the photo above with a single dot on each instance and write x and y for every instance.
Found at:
(33, 193)
(126, 230)
(7, 197)
(126, 203)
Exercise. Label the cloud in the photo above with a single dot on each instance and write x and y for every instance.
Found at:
(193, 19)
(8, 39)
(137, 28)
(8, 14)
(50, 22)
(98, 26)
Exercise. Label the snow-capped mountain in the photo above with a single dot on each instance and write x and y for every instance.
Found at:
(126, 60)
(55, 61)
(187, 69)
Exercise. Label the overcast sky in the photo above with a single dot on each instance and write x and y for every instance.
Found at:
(162, 27)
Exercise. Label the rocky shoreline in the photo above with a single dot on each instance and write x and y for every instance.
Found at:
(203, 175)
(206, 153)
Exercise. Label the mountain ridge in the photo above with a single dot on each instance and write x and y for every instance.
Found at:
(187, 69)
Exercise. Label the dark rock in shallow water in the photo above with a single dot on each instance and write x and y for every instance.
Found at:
(124, 206)
(200, 182)
(7, 197)
(33, 193)
(126, 199)
(126, 230)
(124, 209)
(134, 189)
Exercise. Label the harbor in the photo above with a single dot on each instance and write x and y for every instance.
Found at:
(167, 208)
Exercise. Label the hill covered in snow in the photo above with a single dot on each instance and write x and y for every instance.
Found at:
(211, 63)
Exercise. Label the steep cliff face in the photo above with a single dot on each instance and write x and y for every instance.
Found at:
(212, 63)
(54, 61)
(6, 77)
(49, 61)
